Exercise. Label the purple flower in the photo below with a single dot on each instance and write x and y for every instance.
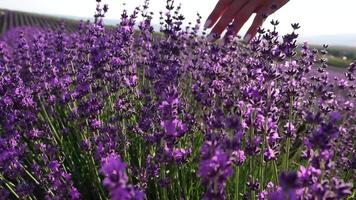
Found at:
(74, 194)
(95, 124)
(289, 129)
(214, 172)
(289, 180)
(115, 171)
(174, 128)
(269, 154)
(238, 157)
(308, 175)
(126, 193)
(116, 179)
(335, 117)
(178, 155)
(254, 147)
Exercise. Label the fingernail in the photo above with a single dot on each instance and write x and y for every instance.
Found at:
(207, 23)
(247, 38)
(210, 37)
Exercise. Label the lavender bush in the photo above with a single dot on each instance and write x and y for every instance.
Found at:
(106, 113)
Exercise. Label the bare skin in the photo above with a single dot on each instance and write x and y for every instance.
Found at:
(238, 12)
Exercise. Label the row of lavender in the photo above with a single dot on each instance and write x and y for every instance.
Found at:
(11, 19)
(119, 114)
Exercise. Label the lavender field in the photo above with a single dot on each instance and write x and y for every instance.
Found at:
(126, 113)
(12, 19)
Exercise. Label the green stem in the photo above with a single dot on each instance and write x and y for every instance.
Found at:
(251, 157)
(57, 138)
(264, 144)
(287, 154)
(164, 189)
(9, 186)
(237, 178)
(30, 175)
(275, 170)
(290, 117)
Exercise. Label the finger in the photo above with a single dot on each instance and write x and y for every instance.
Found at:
(273, 7)
(281, 3)
(217, 12)
(243, 16)
(261, 16)
(257, 22)
(228, 16)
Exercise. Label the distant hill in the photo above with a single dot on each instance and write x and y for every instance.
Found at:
(334, 40)
(10, 19)
(110, 22)
(107, 21)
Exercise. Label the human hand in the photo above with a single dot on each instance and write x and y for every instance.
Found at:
(238, 12)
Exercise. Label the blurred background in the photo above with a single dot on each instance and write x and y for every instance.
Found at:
(322, 21)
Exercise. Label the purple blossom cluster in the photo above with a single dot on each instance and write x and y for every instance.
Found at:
(116, 179)
(128, 113)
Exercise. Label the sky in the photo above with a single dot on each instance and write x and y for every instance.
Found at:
(317, 17)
